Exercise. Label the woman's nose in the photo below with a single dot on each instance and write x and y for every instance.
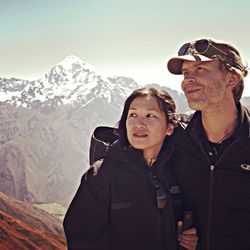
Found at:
(140, 123)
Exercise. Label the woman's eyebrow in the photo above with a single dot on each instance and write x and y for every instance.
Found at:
(148, 109)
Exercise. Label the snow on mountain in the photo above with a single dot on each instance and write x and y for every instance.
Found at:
(69, 82)
(10, 88)
(68, 77)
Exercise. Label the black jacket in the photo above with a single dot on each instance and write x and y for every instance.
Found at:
(218, 191)
(115, 208)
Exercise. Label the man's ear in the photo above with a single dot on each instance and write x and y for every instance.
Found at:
(233, 79)
(170, 129)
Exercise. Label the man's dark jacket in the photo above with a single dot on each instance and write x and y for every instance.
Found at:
(218, 192)
(115, 207)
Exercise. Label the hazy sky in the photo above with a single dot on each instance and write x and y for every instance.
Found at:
(129, 37)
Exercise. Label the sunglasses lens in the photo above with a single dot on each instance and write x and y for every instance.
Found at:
(183, 49)
(201, 46)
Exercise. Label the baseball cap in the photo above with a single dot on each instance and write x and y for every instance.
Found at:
(207, 50)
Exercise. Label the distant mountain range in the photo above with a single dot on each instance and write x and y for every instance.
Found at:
(45, 128)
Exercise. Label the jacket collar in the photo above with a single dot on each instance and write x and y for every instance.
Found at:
(195, 127)
(136, 156)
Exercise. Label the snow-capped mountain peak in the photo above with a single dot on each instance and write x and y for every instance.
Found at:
(71, 69)
(72, 81)
(71, 62)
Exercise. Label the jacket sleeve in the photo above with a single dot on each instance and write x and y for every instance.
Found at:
(86, 221)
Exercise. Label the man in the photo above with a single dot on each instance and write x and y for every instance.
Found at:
(212, 158)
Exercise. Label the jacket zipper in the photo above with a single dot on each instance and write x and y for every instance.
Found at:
(211, 189)
(210, 195)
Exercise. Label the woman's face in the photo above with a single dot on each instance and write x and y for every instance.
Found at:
(147, 126)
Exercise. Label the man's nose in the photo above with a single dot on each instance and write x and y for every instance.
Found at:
(188, 79)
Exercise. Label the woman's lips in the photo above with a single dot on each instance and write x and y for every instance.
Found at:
(140, 135)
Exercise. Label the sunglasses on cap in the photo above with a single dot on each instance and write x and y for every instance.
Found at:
(206, 48)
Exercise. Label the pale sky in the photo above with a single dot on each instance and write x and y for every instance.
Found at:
(129, 37)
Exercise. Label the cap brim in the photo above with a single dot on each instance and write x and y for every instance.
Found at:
(175, 64)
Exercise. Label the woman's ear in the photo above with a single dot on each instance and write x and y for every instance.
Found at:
(170, 129)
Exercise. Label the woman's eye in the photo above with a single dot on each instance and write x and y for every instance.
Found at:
(151, 116)
(132, 115)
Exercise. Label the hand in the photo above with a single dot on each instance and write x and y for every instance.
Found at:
(188, 238)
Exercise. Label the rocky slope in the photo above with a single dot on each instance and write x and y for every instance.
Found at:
(23, 226)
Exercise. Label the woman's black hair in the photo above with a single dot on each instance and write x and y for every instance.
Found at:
(165, 102)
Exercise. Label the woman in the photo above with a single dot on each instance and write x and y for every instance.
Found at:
(127, 204)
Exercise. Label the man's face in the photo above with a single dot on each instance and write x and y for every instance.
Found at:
(204, 84)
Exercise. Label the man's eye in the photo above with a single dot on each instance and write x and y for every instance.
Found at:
(200, 68)
(132, 115)
(151, 116)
